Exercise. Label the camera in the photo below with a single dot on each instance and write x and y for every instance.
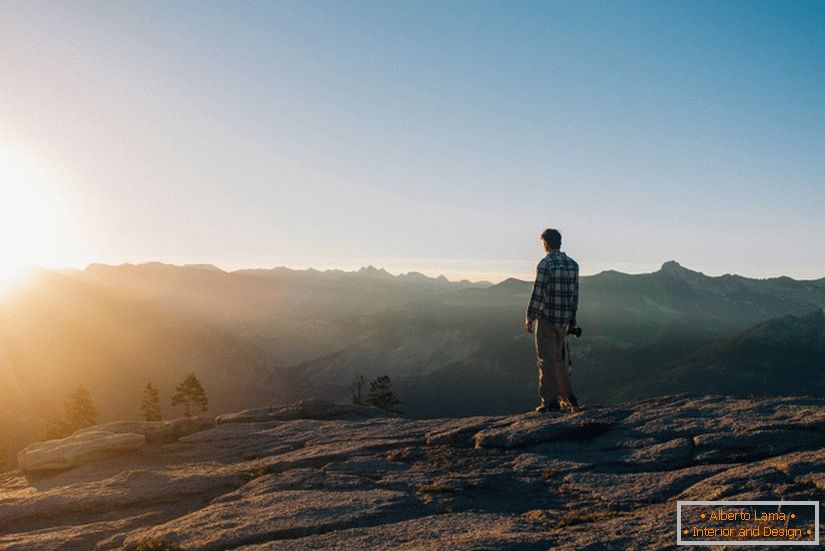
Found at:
(573, 329)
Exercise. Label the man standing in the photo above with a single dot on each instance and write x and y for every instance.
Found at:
(553, 306)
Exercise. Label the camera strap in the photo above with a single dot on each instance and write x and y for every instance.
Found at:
(566, 352)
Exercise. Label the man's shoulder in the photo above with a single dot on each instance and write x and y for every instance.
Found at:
(571, 262)
(568, 262)
(558, 260)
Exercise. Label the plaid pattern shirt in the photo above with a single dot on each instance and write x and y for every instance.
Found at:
(556, 291)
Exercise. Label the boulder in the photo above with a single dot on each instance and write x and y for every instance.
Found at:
(157, 431)
(77, 449)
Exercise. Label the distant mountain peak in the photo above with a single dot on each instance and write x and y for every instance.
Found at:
(510, 284)
(672, 266)
(205, 267)
(373, 271)
(414, 276)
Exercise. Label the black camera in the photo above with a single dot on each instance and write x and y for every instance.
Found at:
(574, 330)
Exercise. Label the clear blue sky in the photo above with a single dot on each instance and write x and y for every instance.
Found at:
(429, 136)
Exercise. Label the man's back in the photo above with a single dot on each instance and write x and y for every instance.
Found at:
(556, 292)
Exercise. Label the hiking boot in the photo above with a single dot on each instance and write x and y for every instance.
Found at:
(545, 408)
(571, 404)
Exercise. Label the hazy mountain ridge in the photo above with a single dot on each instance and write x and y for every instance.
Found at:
(635, 325)
(782, 356)
(251, 293)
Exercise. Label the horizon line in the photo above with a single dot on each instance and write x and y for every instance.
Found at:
(465, 276)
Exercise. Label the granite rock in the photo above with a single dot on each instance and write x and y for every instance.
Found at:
(316, 475)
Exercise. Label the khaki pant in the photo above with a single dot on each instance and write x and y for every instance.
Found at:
(553, 380)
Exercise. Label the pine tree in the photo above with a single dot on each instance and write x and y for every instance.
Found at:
(190, 392)
(382, 395)
(80, 410)
(357, 397)
(150, 407)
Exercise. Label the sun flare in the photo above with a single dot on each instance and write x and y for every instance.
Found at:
(32, 222)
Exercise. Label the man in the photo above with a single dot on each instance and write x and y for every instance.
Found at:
(552, 307)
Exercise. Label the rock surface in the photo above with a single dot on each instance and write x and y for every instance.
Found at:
(316, 475)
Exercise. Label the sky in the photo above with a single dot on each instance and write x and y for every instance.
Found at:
(439, 137)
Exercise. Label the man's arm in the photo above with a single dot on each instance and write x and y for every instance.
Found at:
(575, 300)
(536, 297)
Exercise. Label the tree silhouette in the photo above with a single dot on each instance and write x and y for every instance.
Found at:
(382, 395)
(190, 392)
(357, 398)
(80, 410)
(150, 407)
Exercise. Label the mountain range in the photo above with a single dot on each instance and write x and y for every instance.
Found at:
(257, 337)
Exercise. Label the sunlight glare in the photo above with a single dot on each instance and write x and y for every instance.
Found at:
(32, 220)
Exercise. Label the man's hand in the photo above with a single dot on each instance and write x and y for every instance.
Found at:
(528, 325)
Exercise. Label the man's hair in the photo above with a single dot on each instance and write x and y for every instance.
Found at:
(552, 238)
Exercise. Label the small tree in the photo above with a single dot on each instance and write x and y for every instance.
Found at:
(190, 392)
(382, 395)
(356, 394)
(150, 407)
(80, 410)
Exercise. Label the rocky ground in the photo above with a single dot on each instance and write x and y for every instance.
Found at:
(315, 475)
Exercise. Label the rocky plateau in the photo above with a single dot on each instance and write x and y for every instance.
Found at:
(319, 475)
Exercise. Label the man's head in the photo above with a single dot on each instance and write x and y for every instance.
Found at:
(551, 239)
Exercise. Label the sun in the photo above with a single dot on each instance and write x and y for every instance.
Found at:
(31, 219)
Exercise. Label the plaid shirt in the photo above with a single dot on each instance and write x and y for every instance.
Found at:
(556, 291)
